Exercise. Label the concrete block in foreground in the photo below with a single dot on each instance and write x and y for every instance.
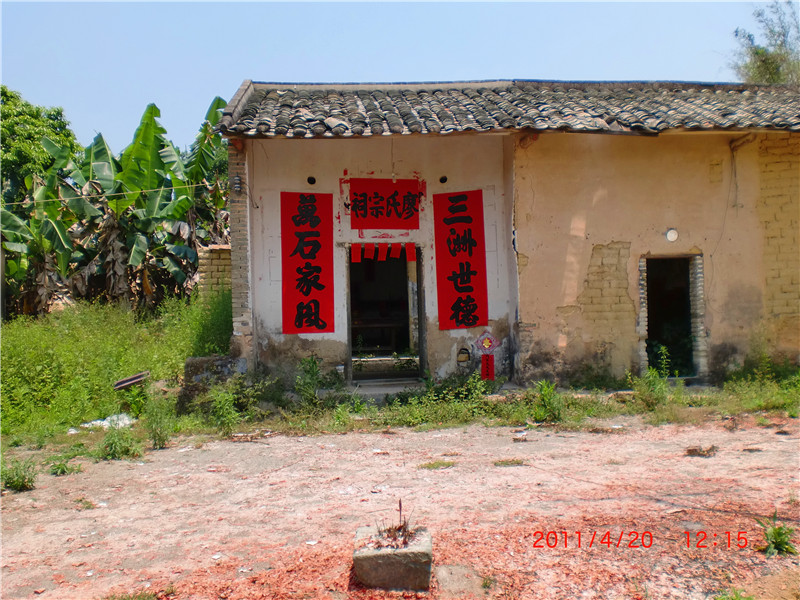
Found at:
(407, 568)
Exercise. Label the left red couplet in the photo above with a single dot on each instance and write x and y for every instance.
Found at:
(307, 262)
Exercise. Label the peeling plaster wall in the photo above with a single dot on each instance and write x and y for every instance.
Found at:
(588, 207)
(468, 161)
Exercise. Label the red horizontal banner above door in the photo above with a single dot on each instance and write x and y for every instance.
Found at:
(384, 203)
(381, 252)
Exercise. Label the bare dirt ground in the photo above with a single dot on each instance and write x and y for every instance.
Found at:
(275, 517)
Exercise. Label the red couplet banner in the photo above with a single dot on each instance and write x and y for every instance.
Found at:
(460, 260)
(385, 204)
(307, 260)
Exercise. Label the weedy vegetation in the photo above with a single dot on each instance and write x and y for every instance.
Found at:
(19, 475)
(58, 371)
(398, 535)
(778, 538)
(119, 444)
(733, 594)
(64, 468)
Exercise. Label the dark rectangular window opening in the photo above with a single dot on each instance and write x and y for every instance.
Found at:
(382, 334)
(669, 314)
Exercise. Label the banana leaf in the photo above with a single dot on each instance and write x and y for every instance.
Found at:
(141, 162)
(138, 249)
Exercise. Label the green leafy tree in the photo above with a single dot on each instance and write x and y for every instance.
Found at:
(775, 58)
(22, 127)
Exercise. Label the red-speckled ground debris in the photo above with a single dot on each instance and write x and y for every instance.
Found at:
(275, 518)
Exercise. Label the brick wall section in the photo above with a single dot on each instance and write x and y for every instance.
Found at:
(214, 267)
(697, 300)
(779, 213)
(238, 205)
(607, 308)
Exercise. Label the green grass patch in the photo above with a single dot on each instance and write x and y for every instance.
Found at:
(85, 504)
(733, 594)
(58, 369)
(134, 596)
(437, 464)
(509, 462)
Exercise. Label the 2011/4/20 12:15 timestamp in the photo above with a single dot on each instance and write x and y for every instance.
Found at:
(728, 539)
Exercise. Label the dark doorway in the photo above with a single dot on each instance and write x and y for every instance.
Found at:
(379, 306)
(382, 336)
(669, 314)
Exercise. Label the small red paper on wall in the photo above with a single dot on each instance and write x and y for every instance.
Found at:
(487, 367)
(460, 260)
(307, 260)
(385, 204)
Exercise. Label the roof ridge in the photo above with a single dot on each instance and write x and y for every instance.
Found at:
(300, 110)
(456, 84)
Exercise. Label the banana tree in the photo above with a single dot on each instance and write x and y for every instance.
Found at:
(135, 221)
(37, 254)
(206, 169)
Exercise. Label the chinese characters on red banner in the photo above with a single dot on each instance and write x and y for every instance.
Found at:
(307, 260)
(385, 204)
(460, 260)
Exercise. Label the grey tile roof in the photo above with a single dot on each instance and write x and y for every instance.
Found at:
(344, 110)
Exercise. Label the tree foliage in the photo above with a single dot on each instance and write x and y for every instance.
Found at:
(22, 127)
(126, 227)
(775, 57)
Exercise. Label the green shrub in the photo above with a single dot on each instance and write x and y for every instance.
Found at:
(118, 444)
(64, 468)
(548, 403)
(761, 367)
(135, 400)
(223, 409)
(253, 389)
(651, 389)
(19, 475)
(308, 382)
(159, 421)
(778, 537)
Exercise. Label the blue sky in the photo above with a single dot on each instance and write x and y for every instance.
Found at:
(103, 62)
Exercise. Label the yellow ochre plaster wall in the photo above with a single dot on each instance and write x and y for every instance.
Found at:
(587, 208)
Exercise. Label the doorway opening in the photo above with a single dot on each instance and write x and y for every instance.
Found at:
(384, 305)
(669, 315)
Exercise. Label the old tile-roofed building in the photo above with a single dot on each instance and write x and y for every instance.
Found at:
(517, 226)
(344, 110)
